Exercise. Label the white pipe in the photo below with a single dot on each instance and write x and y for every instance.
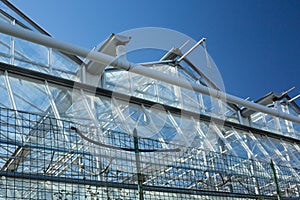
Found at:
(293, 99)
(191, 49)
(139, 69)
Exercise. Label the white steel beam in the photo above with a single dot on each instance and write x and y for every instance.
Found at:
(55, 110)
(139, 69)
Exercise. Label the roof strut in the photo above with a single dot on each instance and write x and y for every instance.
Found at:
(191, 49)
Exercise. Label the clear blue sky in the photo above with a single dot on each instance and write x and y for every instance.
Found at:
(255, 43)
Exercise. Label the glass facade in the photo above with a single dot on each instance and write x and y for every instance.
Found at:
(63, 138)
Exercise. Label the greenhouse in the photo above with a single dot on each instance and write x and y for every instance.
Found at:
(87, 127)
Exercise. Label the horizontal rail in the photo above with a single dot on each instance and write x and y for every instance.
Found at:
(34, 76)
(42, 178)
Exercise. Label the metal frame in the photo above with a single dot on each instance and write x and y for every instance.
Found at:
(46, 141)
(37, 77)
(139, 69)
(26, 74)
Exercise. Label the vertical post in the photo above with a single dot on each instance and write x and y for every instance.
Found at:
(275, 179)
(12, 46)
(50, 60)
(138, 165)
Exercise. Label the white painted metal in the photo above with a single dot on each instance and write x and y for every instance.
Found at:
(191, 49)
(9, 91)
(12, 47)
(11, 97)
(293, 99)
(55, 110)
(139, 69)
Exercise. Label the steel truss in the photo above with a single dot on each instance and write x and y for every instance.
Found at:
(44, 145)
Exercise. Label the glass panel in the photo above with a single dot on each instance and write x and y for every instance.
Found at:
(4, 97)
(30, 56)
(29, 96)
(62, 99)
(4, 44)
(63, 66)
(235, 143)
